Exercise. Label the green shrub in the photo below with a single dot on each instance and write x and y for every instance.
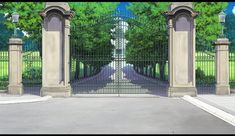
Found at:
(4, 78)
(32, 74)
(201, 77)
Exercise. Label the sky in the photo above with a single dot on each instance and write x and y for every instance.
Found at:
(230, 8)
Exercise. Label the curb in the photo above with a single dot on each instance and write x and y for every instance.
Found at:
(212, 110)
(45, 98)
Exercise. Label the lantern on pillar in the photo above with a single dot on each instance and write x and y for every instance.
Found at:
(15, 19)
(222, 17)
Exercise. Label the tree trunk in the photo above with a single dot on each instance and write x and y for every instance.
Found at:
(151, 71)
(142, 70)
(77, 71)
(85, 70)
(162, 70)
(92, 71)
(154, 71)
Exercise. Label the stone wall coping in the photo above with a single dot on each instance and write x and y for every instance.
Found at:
(222, 41)
(15, 41)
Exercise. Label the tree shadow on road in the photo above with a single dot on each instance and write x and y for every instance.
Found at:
(96, 83)
(154, 86)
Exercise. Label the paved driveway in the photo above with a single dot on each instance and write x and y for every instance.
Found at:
(119, 80)
(110, 115)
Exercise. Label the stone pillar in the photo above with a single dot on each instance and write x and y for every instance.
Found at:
(181, 50)
(222, 66)
(15, 66)
(55, 49)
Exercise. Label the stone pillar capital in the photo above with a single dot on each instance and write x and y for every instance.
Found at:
(222, 41)
(15, 41)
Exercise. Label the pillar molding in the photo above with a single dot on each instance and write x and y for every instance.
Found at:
(222, 86)
(56, 49)
(181, 49)
(15, 66)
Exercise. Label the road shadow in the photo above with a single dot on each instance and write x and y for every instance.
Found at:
(205, 89)
(96, 83)
(32, 89)
(153, 85)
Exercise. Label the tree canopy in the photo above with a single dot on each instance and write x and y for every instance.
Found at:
(29, 20)
(208, 27)
(147, 42)
(230, 30)
(91, 33)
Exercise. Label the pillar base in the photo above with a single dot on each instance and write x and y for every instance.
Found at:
(181, 91)
(222, 89)
(15, 89)
(64, 91)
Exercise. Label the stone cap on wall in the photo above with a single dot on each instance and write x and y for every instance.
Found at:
(15, 41)
(222, 41)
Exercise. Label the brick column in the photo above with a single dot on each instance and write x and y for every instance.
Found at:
(15, 67)
(222, 66)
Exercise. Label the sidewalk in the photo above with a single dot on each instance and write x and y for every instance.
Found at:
(26, 98)
(222, 102)
(220, 106)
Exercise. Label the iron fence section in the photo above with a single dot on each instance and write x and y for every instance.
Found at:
(3, 66)
(32, 66)
(205, 70)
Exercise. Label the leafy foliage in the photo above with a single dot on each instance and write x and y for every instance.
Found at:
(90, 33)
(208, 27)
(32, 73)
(202, 78)
(230, 30)
(148, 41)
(29, 20)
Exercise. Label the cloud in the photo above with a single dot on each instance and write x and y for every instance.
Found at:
(233, 10)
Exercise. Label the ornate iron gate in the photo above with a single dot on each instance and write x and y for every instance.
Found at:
(109, 69)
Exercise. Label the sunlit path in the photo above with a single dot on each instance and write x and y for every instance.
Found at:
(119, 78)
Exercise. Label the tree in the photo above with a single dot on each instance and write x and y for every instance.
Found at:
(90, 34)
(230, 30)
(208, 27)
(148, 41)
(4, 35)
(89, 37)
(145, 42)
(29, 20)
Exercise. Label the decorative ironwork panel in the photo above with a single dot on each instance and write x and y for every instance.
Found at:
(109, 68)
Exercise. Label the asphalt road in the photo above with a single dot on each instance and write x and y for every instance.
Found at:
(116, 115)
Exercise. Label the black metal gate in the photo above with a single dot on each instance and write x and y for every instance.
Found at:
(111, 68)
